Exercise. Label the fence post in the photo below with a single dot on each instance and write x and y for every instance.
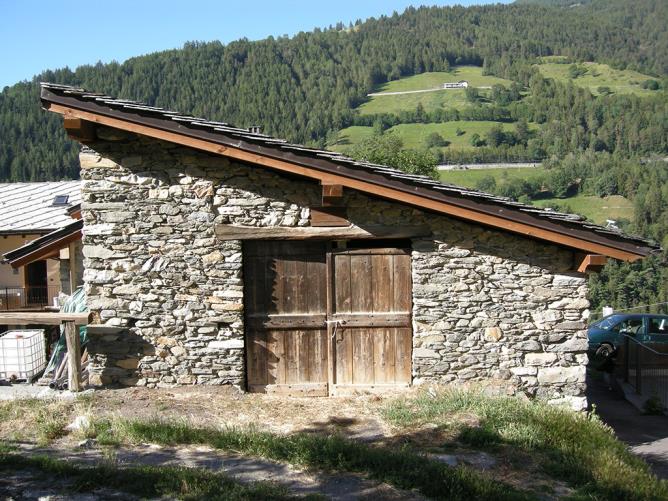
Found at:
(73, 356)
(638, 371)
(626, 359)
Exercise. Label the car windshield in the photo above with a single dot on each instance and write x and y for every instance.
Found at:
(608, 322)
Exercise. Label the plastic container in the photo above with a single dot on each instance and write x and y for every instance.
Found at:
(22, 354)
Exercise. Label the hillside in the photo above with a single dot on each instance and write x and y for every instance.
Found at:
(314, 88)
(305, 87)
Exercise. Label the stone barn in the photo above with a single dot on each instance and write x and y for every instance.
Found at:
(218, 255)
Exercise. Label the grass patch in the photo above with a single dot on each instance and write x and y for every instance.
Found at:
(576, 447)
(469, 178)
(597, 209)
(415, 135)
(399, 467)
(599, 75)
(41, 420)
(145, 481)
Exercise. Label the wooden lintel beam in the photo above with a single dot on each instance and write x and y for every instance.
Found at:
(387, 193)
(231, 232)
(80, 129)
(591, 262)
(43, 318)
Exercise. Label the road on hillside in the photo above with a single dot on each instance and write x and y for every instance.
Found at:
(398, 93)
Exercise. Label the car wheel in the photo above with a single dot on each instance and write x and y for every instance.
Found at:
(603, 357)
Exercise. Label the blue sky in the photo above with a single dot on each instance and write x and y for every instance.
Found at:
(38, 35)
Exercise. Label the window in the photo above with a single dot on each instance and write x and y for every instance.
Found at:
(658, 325)
(60, 200)
(630, 326)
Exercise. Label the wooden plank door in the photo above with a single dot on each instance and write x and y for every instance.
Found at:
(286, 307)
(371, 305)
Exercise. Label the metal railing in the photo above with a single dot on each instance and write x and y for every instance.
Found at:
(17, 298)
(645, 368)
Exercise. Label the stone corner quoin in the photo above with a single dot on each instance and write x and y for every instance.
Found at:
(487, 305)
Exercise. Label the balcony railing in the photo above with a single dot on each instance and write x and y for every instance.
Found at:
(645, 368)
(19, 298)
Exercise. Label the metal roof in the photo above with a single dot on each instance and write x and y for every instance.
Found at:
(332, 162)
(29, 207)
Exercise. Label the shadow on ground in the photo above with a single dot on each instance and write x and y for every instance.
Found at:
(646, 435)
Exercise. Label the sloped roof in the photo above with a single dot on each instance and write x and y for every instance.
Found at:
(424, 191)
(29, 207)
(45, 245)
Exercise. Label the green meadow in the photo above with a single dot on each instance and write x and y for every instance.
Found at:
(447, 99)
(597, 75)
(415, 135)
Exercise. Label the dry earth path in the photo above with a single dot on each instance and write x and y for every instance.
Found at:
(246, 470)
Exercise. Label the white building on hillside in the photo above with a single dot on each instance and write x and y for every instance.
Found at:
(462, 84)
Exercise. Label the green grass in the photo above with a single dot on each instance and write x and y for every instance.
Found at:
(469, 178)
(575, 447)
(594, 208)
(36, 419)
(144, 481)
(414, 135)
(619, 81)
(448, 99)
(400, 467)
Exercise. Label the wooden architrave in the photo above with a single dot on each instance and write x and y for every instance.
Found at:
(48, 250)
(373, 189)
(591, 262)
(232, 232)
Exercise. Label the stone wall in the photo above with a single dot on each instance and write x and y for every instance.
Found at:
(486, 304)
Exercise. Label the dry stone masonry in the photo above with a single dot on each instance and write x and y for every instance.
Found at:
(487, 305)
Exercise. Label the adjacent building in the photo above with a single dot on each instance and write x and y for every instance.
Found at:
(29, 212)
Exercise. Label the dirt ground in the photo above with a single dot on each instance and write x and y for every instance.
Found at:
(358, 417)
(354, 416)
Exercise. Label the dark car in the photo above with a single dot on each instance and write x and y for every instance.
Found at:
(607, 335)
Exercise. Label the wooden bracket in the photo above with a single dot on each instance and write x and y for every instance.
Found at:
(590, 262)
(80, 130)
(332, 195)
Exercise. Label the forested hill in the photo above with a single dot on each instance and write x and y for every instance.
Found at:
(305, 86)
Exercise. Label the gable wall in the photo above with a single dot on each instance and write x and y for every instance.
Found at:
(486, 304)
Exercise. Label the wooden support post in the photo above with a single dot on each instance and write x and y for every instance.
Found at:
(73, 356)
(332, 195)
(73, 267)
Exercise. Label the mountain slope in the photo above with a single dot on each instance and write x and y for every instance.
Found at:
(305, 86)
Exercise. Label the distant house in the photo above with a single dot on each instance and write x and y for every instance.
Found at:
(31, 211)
(217, 255)
(462, 84)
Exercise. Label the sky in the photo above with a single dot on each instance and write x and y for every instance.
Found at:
(36, 35)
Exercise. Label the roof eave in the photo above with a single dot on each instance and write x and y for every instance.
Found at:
(482, 212)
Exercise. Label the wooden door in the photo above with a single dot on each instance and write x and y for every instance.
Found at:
(371, 308)
(324, 322)
(286, 308)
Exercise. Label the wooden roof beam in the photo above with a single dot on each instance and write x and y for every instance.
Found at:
(590, 262)
(80, 130)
